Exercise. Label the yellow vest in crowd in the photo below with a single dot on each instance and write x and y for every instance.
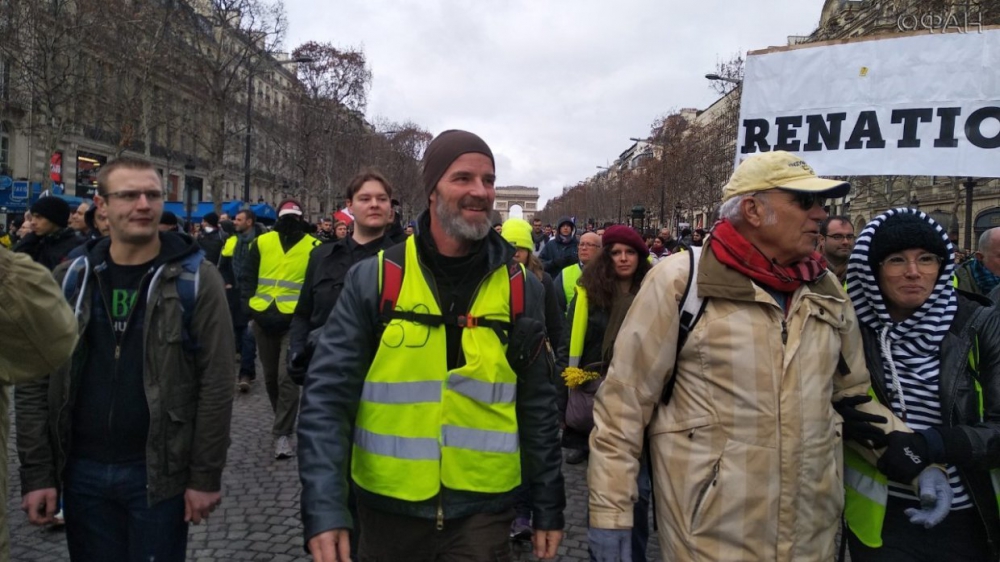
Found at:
(281, 274)
(421, 426)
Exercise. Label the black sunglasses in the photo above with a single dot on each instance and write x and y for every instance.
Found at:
(806, 200)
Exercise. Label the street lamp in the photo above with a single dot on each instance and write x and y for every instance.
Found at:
(247, 147)
(716, 77)
(189, 166)
(677, 218)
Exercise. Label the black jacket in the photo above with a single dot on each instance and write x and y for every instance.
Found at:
(50, 250)
(976, 443)
(593, 341)
(332, 390)
(325, 274)
(212, 243)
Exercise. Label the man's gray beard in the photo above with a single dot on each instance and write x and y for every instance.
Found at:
(457, 227)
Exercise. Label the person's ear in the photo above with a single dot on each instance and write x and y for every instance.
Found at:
(753, 211)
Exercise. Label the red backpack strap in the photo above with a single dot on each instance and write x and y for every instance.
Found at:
(516, 271)
(393, 261)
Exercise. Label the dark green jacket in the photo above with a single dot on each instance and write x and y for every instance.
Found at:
(189, 395)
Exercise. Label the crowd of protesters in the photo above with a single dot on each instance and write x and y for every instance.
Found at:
(767, 385)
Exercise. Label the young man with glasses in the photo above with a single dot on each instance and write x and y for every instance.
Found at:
(836, 243)
(134, 430)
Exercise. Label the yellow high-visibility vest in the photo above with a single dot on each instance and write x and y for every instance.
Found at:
(281, 274)
(420, 426)
(570, 275)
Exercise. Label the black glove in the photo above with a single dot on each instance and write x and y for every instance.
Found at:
(906, 456)
(298, 365)
(858, 424)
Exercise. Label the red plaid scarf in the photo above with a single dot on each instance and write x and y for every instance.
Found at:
(735, 251)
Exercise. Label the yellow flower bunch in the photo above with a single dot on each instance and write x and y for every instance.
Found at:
(575, 376)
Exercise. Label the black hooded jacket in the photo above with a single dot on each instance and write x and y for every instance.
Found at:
(49, 250)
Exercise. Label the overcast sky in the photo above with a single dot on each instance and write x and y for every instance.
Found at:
(555, 87)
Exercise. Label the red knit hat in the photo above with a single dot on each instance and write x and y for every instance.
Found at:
(621, 234)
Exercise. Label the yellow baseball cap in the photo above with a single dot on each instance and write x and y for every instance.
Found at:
(780, 169)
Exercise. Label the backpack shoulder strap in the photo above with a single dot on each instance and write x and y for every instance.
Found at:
(691, 308)
(391, 265)
(75, 281)
(516, 271)
(187, 290)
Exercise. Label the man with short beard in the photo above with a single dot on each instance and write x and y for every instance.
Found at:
(451, 405)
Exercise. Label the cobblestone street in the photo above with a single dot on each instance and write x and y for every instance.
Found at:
(259, 515)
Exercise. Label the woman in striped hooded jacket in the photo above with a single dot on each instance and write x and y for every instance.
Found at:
(934, 357)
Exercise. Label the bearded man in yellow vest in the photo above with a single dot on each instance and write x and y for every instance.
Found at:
(437, 387)
(272, 280)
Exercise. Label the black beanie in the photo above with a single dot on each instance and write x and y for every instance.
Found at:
(212, 219)
(445, 149)
(54, 209)
(905, 231)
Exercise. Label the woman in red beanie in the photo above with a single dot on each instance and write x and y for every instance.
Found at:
(603, 296)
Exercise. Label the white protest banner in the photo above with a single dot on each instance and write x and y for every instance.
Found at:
(916, 105)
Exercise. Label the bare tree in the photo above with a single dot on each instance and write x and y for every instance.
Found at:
(226, 44)
(45, 45)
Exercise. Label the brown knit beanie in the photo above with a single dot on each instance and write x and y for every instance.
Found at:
(445, 149)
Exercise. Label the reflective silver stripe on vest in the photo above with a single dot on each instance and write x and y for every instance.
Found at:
(266, 298)
(479, 439)
(410, 448)
(401, 392)
(279, 283)
(287, 298)
(866, 486)
(487, 393)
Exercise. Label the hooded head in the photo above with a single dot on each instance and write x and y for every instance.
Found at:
(564, 221)
(899, 274)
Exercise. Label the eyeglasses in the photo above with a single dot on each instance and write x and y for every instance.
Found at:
(131, 196)
(588, 245)
(841, 237)
(926, 263)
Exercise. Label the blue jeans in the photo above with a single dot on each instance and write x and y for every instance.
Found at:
(108, 517)
(248, 353)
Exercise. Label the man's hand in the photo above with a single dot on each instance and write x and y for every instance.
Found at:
(936, 496)
(331, 546)
(858, 424)
(198, 505)
(546, 543)
(297, 365)
(40, 505)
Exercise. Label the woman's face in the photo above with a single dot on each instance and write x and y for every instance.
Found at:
(906, 280)
(521, 255)
(626, 260)
(696, 236)
(657, 244)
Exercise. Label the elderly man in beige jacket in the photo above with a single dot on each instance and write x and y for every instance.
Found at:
(37, 335)
(746, 454)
